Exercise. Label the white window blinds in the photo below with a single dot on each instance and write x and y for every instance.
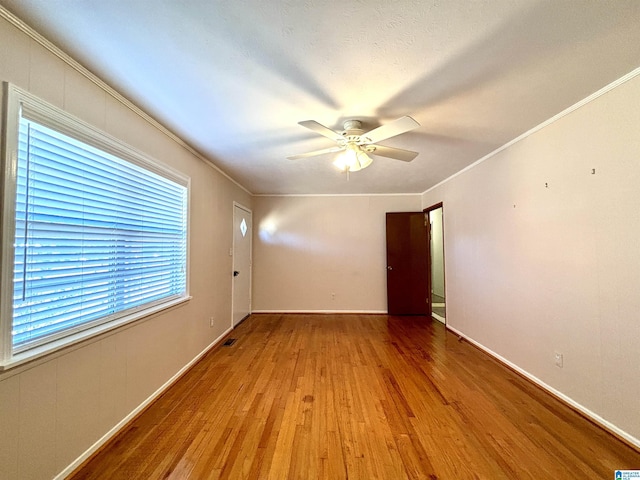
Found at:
(96, 237)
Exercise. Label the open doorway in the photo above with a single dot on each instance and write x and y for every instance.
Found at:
(436, 262)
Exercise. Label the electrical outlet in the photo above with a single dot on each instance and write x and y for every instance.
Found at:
(559, 360)
(211, 321)
(333, 296)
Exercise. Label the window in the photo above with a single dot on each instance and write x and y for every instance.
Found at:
(94, 234)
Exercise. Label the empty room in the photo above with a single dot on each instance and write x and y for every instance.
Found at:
(280, 239)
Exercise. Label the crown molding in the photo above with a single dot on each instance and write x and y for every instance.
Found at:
(546, 123)
(337, 194)
(37, 37)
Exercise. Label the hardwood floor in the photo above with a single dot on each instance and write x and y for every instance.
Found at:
(358, 397)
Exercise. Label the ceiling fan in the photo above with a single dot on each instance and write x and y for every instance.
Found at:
(358, 145)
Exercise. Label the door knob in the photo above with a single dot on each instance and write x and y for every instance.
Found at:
(236, 273)
(389, 267)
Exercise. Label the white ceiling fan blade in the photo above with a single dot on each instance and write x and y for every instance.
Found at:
(316, 152)
(395, 153)
(401, 125)
(321, 129)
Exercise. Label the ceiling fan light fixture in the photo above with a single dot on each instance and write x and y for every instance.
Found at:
(352, 159)
(356, 144)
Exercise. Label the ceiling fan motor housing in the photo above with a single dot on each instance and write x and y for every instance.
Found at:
(355, 140)
(353, 132)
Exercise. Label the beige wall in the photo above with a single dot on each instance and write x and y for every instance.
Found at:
(52, 410)
(307, 248)
(532, 269)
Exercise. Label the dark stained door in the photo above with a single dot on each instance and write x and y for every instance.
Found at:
(407, 264)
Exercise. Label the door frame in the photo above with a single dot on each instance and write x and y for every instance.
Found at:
(233, 258)
(427, 211)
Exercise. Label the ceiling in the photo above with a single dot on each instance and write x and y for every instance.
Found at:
(234, 78)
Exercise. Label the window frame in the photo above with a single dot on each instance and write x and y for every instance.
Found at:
(14, 101)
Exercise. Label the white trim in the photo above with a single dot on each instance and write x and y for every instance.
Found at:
(438, 318)
(555, 118)
(8, 180)
(568, 400)
(31, 33)
(383, 312)
(239, 205)
(188, 226)
(337, 194)
(42, 112)
(72, 339)
(81, 343)
(122, 423)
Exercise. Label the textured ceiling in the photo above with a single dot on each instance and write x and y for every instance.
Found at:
(233, 78)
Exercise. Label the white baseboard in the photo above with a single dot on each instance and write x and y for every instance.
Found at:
(438, 317)
(111, 433)
(362, 312)
(594, 417)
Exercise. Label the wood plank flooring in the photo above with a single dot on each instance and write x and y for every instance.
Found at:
(358, 397)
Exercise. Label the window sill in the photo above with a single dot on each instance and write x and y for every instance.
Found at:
(77, 338)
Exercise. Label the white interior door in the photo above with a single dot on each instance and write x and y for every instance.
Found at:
(242, 231)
